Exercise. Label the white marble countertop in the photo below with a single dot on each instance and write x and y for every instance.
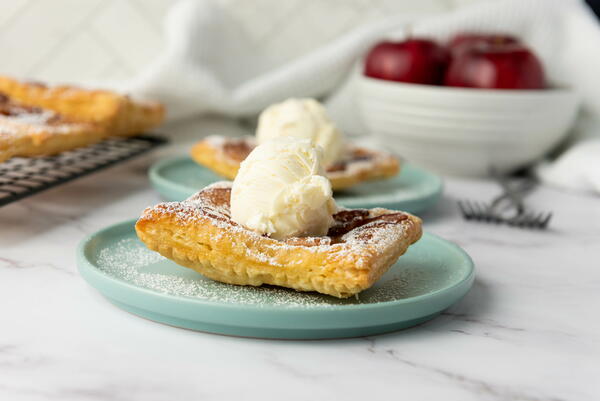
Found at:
(529, 330)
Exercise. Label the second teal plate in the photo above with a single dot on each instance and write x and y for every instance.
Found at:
(413, 190)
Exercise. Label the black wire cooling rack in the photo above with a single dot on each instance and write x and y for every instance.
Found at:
(22, 177)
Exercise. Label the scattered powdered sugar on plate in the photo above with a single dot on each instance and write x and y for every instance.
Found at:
(128, 260)
(128, 252)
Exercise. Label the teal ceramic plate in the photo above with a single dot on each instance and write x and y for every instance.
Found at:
(413, 190)
(430, 277)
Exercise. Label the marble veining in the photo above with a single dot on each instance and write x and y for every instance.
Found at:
(527, 331)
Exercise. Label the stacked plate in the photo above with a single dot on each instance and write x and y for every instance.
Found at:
(466, 131)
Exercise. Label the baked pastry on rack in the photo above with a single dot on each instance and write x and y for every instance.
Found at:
(40, 120)
(278, 224)
(28, 131)
(117, 114)
(345, 164)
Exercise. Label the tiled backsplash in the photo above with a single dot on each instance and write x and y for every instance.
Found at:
(100, 40)
(73, 40)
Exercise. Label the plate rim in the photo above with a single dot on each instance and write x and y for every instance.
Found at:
(154, 175)
(85, 266)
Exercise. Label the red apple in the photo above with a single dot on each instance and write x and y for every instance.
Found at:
(465, 41)
(418, 61)
(496, 66)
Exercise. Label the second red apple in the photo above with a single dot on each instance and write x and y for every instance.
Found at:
(496, 66)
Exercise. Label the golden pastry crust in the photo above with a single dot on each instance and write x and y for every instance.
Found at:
(199, 233)
(30, 131)
(116, 113)
(36, 120)
(223, 155)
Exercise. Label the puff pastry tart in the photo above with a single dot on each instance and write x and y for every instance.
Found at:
(223, 155)
(38, 120)
(117, 114)
(200, 234)
(32, 131)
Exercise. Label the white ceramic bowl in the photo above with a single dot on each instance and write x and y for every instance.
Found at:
(466, 131)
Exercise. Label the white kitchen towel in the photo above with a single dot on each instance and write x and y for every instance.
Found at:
(211, 66)
(578, 168)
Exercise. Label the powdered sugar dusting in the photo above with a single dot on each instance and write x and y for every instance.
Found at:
(17, 119)
(215, 140)
(359, 160)
(13, 127)
(26, 117)
(128, 260)
(219, 141)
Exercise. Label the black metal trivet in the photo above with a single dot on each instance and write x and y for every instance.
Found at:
(22, 177)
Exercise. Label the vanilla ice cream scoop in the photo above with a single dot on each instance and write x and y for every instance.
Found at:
(280, 190)
(302, 118)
